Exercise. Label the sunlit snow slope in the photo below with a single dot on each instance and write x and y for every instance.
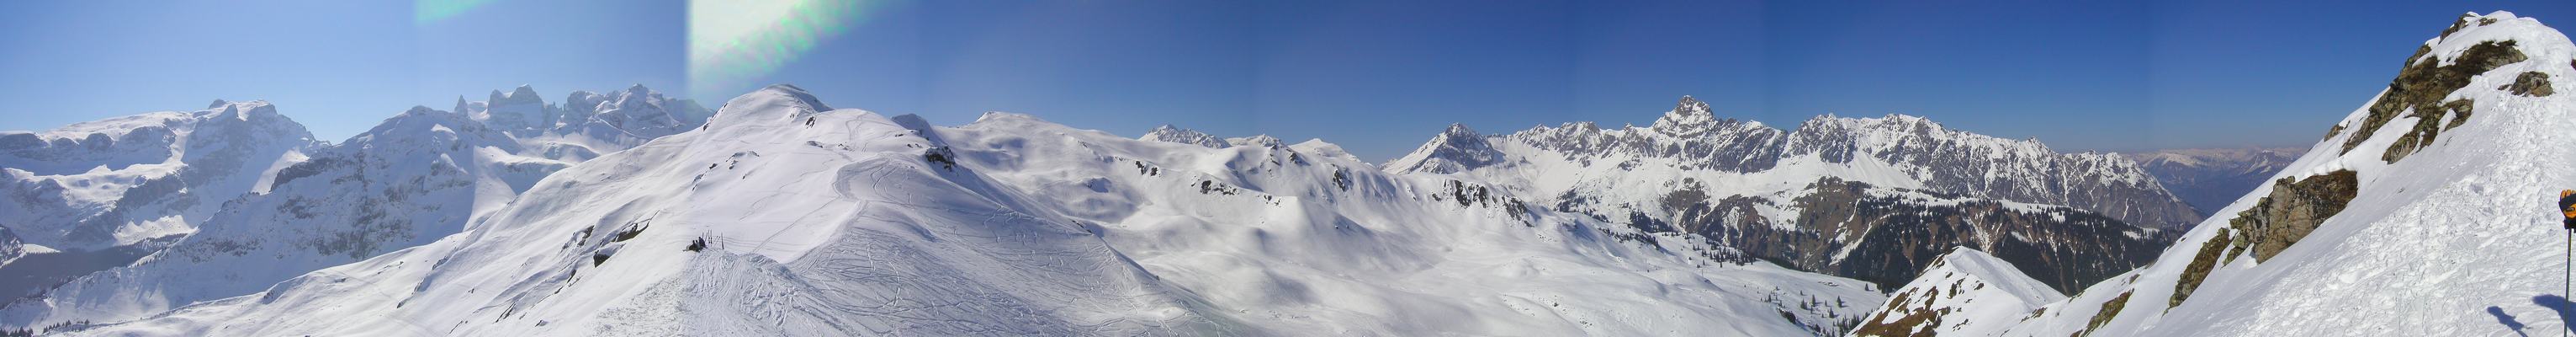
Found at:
(786, 217)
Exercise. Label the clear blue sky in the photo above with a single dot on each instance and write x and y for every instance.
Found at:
(1377, 77)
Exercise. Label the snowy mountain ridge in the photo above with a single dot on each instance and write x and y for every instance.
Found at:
(1870, 198)
(783, 208)
(1962, 289)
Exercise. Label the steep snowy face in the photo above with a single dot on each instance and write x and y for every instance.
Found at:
(415, 178)
(783, 217)
(1963, 287)
(125, 180)
(1838, 195)
(1168, 133)
(2208, 179)
(1454, 150)
(2428, 211)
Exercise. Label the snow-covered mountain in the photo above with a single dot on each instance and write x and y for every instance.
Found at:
(1870, 198)
(786, 217)
(1959, 292)
(1168, 133)
(2429, 211)
(419, 176)
(126, 180)
(2208, 179)
(586, 124)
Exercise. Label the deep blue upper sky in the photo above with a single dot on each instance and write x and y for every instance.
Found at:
(1377, 77)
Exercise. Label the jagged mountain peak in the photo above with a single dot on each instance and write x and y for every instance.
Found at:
(1688, 118)
(1169, 133)
(1458, 130)
(1455, 149)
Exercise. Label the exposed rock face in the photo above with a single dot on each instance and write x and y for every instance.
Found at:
(2209, 179)
(2418, 93)
(2531, 83)
(1886, 235)
(2294, 208)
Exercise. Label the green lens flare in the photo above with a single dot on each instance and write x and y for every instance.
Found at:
(733, 42)
(424, 12)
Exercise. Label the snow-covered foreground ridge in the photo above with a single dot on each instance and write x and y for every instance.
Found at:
(2430, 211)
(783, 216)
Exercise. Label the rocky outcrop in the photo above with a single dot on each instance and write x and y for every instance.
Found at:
(2530, 83)
(2295, 207)
(2418, 92)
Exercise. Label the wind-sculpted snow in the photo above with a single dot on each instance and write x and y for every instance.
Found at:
(2456, 237)
(784, 217)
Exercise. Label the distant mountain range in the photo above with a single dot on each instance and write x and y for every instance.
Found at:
(631, 213)
(2208, 179)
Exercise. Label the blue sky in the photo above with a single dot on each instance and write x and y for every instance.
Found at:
(1377, 77)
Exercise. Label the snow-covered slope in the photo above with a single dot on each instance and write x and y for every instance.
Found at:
(2208, 179)
(785, 217)
(125, 180)
(415, 178)
(1961, 291)
(1869, 198)
(2428, 212)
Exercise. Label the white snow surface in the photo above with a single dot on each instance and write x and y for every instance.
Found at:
(816, 221)
(2460, 238)
(1967, 288)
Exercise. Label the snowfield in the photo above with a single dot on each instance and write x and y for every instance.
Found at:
(786, 217)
